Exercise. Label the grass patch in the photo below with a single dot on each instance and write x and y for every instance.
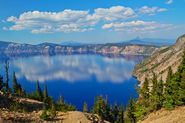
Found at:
(163, 50)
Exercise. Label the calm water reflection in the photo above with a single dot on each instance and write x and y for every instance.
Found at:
(78, 77)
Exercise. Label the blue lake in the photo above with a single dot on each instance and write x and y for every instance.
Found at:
(78, 77)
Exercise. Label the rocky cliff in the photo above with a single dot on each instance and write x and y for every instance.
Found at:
(9, 48)
(160, 61)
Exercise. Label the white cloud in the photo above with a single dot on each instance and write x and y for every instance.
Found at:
(115, 13)
(4, 28)
(48, 22)
(75, 20)
(68, 20)
(138, 26)
(162, 10)
(150, 11)
(169, 2)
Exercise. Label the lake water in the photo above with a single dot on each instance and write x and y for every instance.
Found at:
(78, 77)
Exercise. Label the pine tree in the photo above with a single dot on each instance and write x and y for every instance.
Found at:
(53, 108)
(181, 79)
(1, 83)
(144, 93)
(121, 114)
(44, 115)
(61, 99)
(154, 84)
(131, 111)
(168, 102)
(99, 106)
(182, 89)
(115, 111)
(111, 115)
(7, 78)
(160, 92)
(107, 110)
(15, 84)
(85, 107)
(154, 96)
(141, 111)
(45, 94)
(39, 95)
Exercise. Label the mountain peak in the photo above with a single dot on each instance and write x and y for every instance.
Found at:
(137, 38)
(180, 43)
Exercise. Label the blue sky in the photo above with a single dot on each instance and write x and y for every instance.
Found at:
(90, 21)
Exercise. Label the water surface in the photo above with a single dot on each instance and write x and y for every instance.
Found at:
(78, 77)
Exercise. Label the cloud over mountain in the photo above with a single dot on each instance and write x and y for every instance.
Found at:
(137, 26)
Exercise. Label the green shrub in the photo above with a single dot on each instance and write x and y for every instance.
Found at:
(44, 115)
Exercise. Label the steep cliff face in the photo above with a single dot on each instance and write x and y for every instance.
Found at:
(160, 61)
(49, 48)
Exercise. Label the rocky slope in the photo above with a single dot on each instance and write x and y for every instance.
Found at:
(160, 61)
(166, 116)
(9, 48)
(61, 117)
(34, 110)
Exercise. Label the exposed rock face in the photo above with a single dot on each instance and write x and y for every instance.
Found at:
(145, 50)
(160, 61)
(48, 48)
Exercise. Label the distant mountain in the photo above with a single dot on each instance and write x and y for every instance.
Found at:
(10, 48)
(151, 41)
(72, 43)
(4, 44)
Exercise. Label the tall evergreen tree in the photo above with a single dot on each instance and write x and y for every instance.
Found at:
(15, 84)
(39, 94)
(61, 100)
(121, 114)
(180, 77)
(182, 89)
(7, 77)
(85, 107)
(111, 115)
(107, 110)
(116, 111)
(45, 94)
(1, 83)
(154, 98)
(160, 93)
(53, 108)
(144, 93)
(131, 111)
(168, 101)
(154, 84)
(99, 106)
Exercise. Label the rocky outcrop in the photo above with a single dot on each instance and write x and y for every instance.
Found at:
(129, 49)
(49, 48)
(160, 61)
